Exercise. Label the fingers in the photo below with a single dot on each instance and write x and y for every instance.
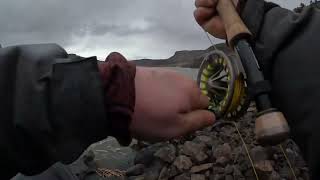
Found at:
(215, 27)
(203, 101)
(209, 22)
(203, 14)
(193, 121)
(199, 101)
(205, 3)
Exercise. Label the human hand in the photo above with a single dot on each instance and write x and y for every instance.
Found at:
(207, 17)
(168, 105)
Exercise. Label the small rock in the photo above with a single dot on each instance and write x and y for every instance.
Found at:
(163, 174)
(285, 173)
(152, 173)
(228, 169)
(291, 155)
(137, 178)
(135, 170)
(264, 169)
(217, 170)
(195, 151)
(222, 161)
(259, 153)
(237, 173)
(182, 177)
(182, 163)
(207, 173)
(198, 177)
(167, 173)
(204, 139)
(167, 153)
(229, 177)
(217, 177)
(275, 176)
(203, 167)
(146, 156)
(249, 173)
(222, 151)
(172, 171)
(244, 165)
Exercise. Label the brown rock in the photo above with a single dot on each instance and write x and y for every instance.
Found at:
(163, 174)
(182, 163)
(237, 173)
(229, 177)
(259, 153)
(223, 161)
(167, 172)
(167, 153)
(275, 176)
(222, 151)
(200, 168)
(217, 170)
(152, 172)
(264, 169)
(217, 177)
(205, 140)
(182, 177)
(207, 173)
(195, 151)
(172, 171)
(228, 169)
(198, 177)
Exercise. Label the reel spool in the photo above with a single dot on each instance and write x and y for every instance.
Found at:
(221, 77)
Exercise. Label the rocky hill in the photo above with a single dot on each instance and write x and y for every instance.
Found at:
(186, 59)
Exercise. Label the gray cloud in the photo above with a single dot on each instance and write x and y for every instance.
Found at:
(136, 28)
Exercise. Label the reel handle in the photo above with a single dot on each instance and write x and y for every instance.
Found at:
(271, 127)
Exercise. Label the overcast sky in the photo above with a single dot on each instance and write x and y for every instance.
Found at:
(136, 28)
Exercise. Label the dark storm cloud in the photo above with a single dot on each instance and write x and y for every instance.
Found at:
(137, 28)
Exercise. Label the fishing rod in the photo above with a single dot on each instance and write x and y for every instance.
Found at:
(232, 78)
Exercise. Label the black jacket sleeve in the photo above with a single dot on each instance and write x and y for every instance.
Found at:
(286, 45)
(51, 107)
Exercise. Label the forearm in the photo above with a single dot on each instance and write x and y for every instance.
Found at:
(54, 106)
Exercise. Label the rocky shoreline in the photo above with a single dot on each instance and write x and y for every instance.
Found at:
(217, 153)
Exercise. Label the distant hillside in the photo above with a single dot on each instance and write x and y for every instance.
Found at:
(187, 59)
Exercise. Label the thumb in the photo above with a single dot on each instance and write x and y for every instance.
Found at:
(195, 120)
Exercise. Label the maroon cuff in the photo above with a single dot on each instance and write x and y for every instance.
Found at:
(119, 92)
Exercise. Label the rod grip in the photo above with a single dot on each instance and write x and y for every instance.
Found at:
(234, 26)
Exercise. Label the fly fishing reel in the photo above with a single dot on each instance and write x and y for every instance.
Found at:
(222, 78)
